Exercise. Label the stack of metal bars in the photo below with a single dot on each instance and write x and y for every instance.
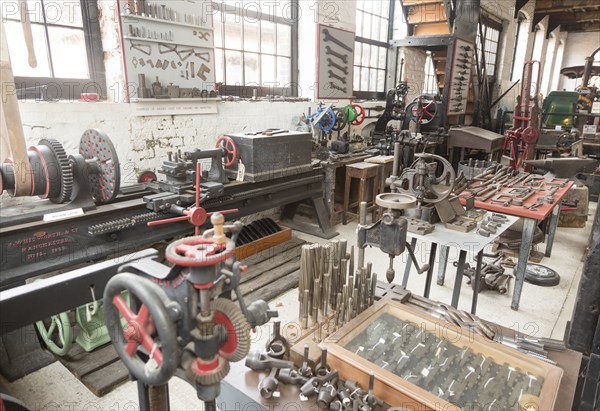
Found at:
(331, 291)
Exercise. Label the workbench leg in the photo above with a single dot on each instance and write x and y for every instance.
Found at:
(430, 271)
(413, 243)
(526, 241)
(443, 263)
(552, 229)
(476, 283)
(322, 214)
(460, 270)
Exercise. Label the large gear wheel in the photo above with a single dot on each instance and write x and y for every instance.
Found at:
(61, 180)
(228, 314)
(205, 373)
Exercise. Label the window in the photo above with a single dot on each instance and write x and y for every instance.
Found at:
(373, 33)
(431, 83)
(536, 54)
(557, 65)
(491, 34)
(256, 47)
(68, 50)
(522, 34)
(549, 61)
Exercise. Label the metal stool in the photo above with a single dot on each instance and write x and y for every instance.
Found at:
(363, 171)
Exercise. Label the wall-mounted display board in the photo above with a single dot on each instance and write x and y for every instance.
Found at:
(168, 48)
(460, 77)
(335, 63)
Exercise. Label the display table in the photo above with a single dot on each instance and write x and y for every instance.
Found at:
(469, 242)
(530, 220)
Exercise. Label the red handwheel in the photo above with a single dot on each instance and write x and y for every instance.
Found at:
(227, 144)
(360, 115)
(198, 252)
(530, 135)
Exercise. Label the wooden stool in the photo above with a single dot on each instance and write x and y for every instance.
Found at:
(385, 168)
(364, 172)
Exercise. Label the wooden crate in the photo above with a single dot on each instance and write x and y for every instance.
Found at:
(398, 392)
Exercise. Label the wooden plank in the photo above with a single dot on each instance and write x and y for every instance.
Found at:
(427, 13)
(81, 363)
(270, 264)
(268, 277)
(106, 379)
(275, 289)
(262, 244)
(272, 252)
(430, 29)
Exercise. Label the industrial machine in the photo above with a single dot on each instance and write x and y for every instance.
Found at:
(525, 129)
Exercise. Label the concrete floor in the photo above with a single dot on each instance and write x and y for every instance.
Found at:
(543, 312)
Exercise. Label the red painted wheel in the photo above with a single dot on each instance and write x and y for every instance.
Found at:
(360, 115)
(148, 344)
(228, 146)
(147, 176)
(530, 135)
(198, 252)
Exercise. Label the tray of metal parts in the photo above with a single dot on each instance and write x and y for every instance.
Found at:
(423, 363)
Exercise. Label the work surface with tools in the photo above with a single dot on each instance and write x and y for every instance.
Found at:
(551, 194)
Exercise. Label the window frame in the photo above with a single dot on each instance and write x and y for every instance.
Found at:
(37, 87)
(376, 95)
(485, 23)
(244, 91)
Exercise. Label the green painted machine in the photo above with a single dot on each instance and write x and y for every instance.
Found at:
(563, 102)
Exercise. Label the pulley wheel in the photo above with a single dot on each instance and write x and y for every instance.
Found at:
(104, 171)
(198, 252)
(229, 148)
(425, 182)
(396, 201)
(423, 110)
(58, 335)
(541, 275)
(148, 344)
(341, 120)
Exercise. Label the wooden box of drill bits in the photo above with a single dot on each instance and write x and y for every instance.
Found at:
(423, 363)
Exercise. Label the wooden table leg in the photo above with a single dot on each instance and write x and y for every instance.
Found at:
(526, 241)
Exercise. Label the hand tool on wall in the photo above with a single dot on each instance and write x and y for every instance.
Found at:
(327, 37)
(342, 57)
(331, 63)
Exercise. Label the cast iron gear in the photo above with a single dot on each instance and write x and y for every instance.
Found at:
(206, 376)
(61, 180)
(228, 314)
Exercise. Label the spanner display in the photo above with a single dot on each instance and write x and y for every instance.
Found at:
(328, 37)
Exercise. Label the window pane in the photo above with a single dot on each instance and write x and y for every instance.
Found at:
(365, 56)
(233, 67)
(267, 70)
(376, 22)
(284, 71)
(380, 80)
(360, 4)
(366, 26)
(374, 56)
(251, 71)
(251, 35)
(376, 7)
(18, 50)
(218, 22)
(364, 79)
(268, 37)
(69, 55)
(359, 22)
(382, 58)
(65, 12)
(356, 78)
(383, 30)
(34, 8)
(233, 33)
(284, 40)
(357, 52)
(219, 66)
(372, 80)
